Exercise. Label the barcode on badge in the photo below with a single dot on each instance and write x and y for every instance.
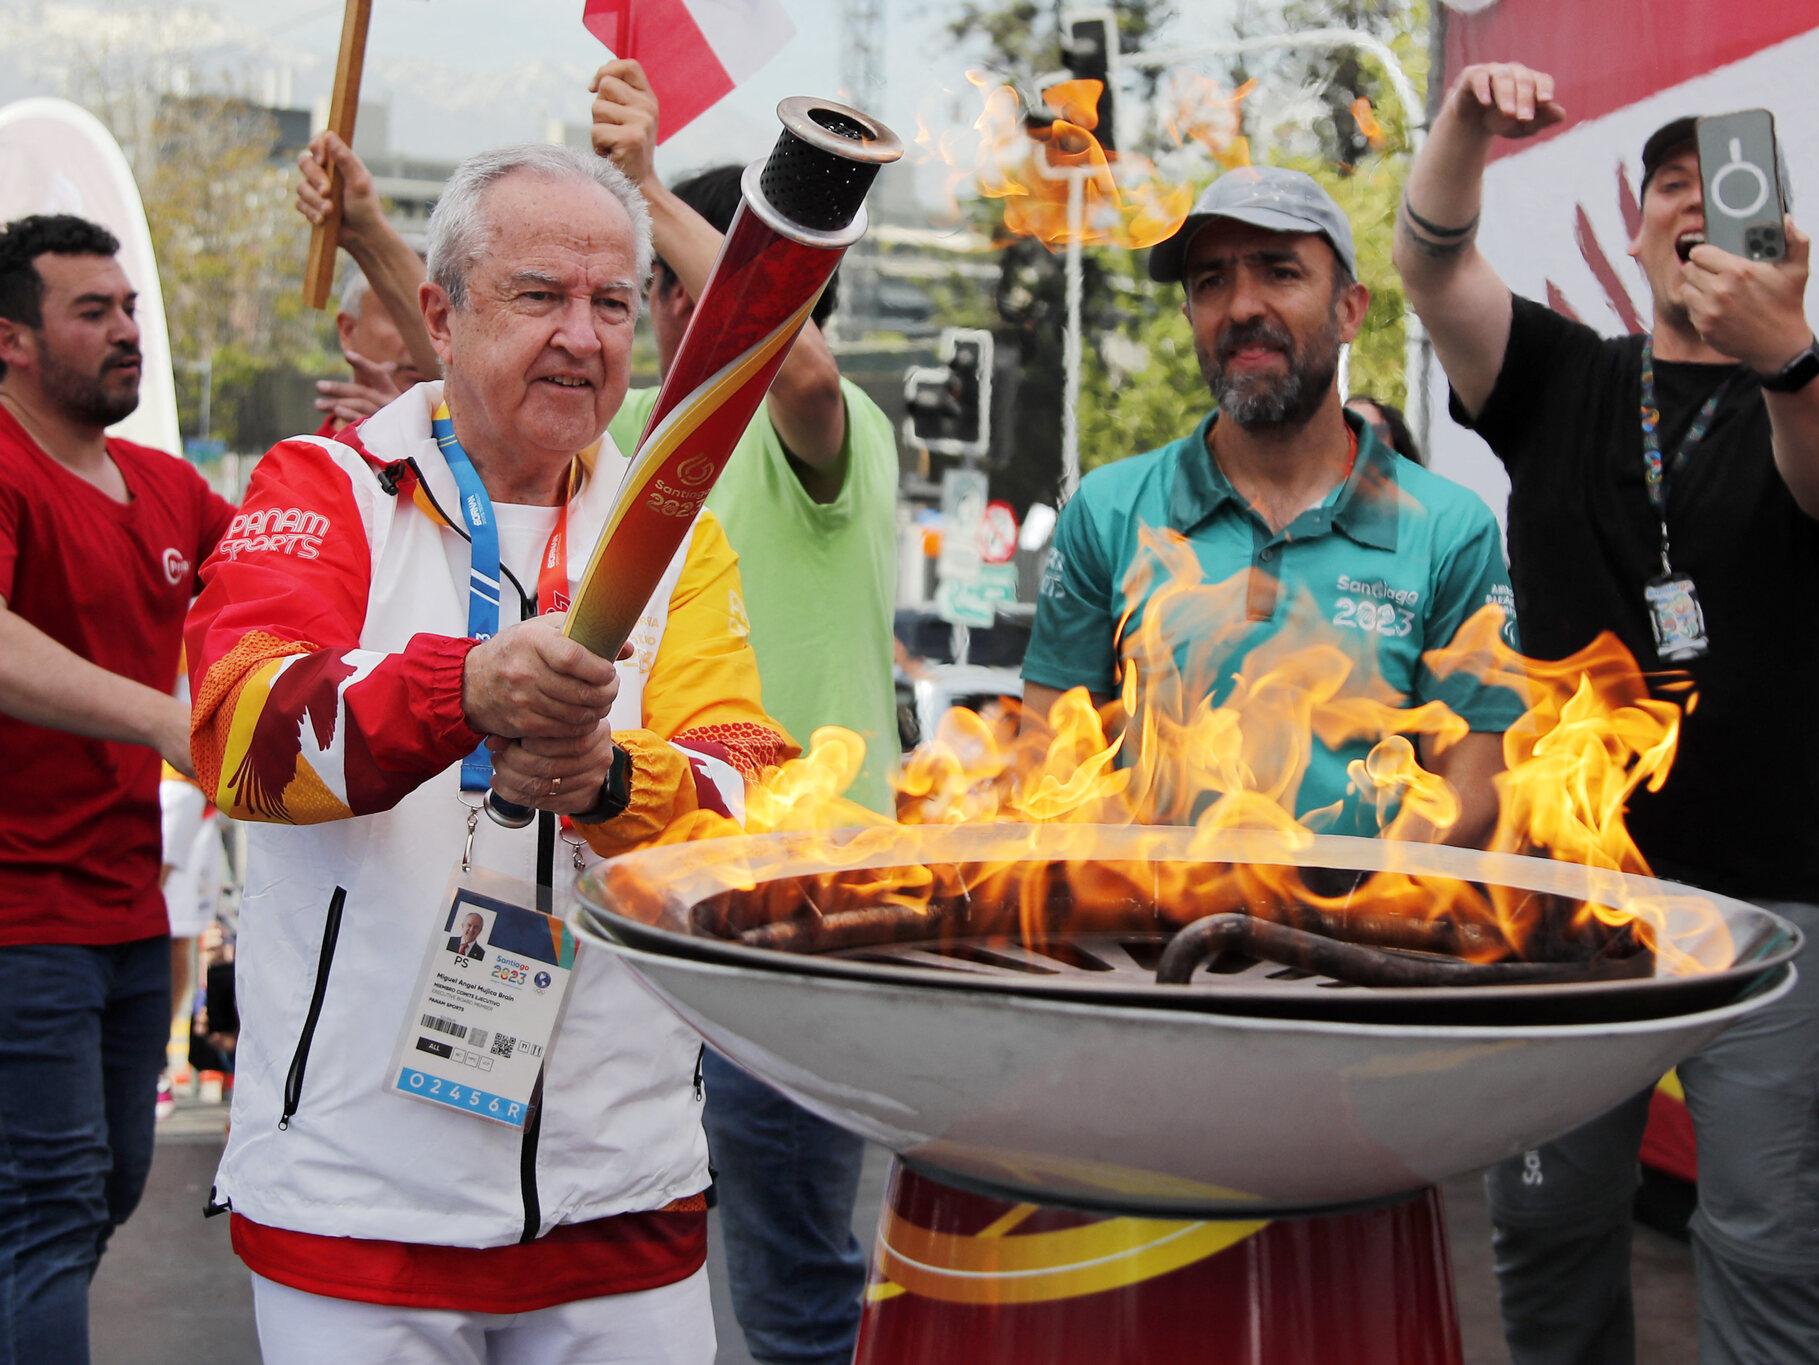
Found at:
(504, 1045)
(448, 1026)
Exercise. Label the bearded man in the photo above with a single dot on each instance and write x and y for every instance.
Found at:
(1313, 530)
(99, 543)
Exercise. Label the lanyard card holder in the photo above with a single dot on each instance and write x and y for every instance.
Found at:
(1676, 617)
(488, 1000)
(1674, 613)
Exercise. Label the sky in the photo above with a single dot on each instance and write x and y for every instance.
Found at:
(460, 75)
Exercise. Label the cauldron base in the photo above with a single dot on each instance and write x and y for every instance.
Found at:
(959, 1275)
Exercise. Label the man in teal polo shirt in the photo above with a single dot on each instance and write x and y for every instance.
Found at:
(1313, 532)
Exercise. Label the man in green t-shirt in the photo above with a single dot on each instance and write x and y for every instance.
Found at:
(1317, 532)
(808, 500)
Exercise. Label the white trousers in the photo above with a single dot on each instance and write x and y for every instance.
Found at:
(671, 1325)
(194, 855)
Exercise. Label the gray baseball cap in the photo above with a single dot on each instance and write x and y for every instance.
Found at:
(1264, 196)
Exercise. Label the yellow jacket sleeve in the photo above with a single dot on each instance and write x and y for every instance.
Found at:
(702, 701)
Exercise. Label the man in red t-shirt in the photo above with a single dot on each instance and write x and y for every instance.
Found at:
(100, 540)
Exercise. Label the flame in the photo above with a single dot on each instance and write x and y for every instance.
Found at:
(1198, 111)
(1184, 745)
(1366, 119)
(1171, 750)
(1027, 158)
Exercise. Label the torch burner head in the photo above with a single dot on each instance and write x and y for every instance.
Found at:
(824, 162)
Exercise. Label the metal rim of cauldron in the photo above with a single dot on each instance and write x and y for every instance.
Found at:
(689, 873)
(889, 1010)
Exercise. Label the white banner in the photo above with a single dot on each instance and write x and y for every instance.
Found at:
(56, 157)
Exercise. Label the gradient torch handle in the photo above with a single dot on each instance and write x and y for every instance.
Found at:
(803, 206)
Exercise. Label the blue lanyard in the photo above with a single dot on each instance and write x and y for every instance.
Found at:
(1655, 470)
(483, 579)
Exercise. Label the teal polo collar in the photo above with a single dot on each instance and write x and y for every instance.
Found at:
(1366, 511)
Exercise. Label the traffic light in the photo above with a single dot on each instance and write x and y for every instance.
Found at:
(949, 405)
(1088, 47)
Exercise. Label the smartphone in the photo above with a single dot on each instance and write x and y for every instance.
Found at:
(1745, 195)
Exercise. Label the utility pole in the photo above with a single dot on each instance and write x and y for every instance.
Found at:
(862, 80)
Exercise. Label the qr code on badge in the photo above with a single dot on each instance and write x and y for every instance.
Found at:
(504, 1045)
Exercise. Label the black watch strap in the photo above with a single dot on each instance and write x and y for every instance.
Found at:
(615, 792)
(1796, 374)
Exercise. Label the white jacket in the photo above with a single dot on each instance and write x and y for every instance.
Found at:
(319, 1142)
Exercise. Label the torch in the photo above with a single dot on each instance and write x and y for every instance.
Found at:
(802, 207)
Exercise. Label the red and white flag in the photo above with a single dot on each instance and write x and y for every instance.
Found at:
(694, 51)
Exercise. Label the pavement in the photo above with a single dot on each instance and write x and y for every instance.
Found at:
(171, 1292)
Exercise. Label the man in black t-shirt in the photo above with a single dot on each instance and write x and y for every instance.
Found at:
(1709, 584)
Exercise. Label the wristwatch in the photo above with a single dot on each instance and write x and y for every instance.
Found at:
(1796, 374)
(615, 792)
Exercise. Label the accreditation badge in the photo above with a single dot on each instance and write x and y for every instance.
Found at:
(1677, 618)
(488, 999)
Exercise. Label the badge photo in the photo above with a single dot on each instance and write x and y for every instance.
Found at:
(487, 1003)
(1677, 618)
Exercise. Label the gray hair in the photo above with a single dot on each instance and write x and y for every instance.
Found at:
(354, 293)
(458, 227)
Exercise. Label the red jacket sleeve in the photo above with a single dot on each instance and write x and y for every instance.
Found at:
(292, 720)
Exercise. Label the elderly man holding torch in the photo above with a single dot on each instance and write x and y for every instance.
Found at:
(1708, 428)
(362, 670)
(808, 500)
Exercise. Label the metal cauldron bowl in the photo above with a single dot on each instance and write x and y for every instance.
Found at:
(1149, 1099)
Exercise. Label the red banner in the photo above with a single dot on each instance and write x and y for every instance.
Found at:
(1610, 53)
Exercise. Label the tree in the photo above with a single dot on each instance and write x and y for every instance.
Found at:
(230, 252)
(1333, 81)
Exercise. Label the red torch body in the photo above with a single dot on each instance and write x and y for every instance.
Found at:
(802, 208)
(763, 288)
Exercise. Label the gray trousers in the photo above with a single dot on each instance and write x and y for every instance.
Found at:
(1561, 1214)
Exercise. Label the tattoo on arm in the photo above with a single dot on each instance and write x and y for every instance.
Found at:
(1430, 238)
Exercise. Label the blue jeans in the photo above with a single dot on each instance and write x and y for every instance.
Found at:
(786, 1182)
(82, 1036)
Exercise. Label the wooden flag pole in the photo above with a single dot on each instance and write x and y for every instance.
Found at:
(319, 269)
